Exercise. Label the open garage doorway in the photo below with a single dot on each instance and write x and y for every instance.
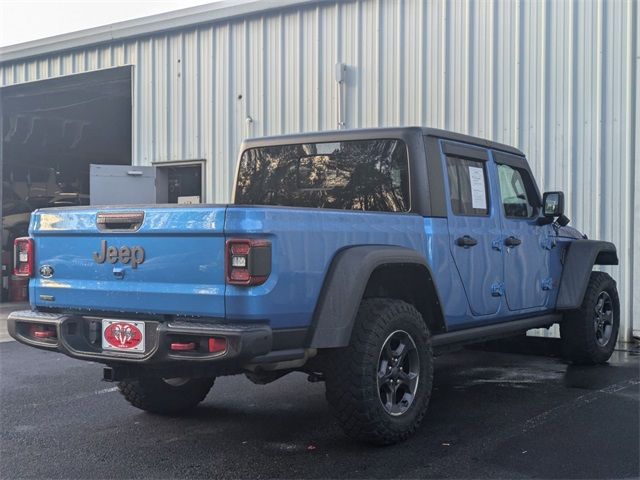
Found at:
(52, 130)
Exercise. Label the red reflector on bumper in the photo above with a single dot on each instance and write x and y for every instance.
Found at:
(183, 347)
(44, 333)
(217, 345)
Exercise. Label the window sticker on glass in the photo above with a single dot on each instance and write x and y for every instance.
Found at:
(478, 192)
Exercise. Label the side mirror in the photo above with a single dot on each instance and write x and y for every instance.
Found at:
(553, 204)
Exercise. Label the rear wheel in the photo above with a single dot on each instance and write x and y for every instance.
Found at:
(379, 386)
(168, 396)
(589, 333)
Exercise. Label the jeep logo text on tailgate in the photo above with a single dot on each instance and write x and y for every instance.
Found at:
(125, 254)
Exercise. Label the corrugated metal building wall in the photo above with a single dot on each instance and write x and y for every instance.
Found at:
(558, 79)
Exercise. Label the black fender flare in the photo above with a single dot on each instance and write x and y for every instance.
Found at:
(579, 259)
(344, 287)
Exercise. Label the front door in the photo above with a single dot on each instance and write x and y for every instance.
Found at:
(474, 226)
(527, 246)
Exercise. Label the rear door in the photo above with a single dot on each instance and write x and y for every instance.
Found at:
(474, 225)
(527, 246)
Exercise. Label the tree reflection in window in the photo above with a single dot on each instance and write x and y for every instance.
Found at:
(367, 175)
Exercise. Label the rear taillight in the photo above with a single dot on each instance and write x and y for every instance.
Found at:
(23, 257)
(248, 262)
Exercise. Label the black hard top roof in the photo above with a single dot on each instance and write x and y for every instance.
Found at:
(364, 133)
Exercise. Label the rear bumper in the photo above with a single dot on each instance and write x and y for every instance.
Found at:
(81, 337)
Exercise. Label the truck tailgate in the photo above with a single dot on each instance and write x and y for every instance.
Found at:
(160, 260)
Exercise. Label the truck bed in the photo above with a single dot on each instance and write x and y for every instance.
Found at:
(183, 271)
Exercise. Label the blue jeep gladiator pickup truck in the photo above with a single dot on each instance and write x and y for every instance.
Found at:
(352, 256)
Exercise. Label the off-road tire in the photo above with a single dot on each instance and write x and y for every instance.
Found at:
(155, 395)
(351, 377)
(578, 330)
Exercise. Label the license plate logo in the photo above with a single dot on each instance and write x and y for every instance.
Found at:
(122, 335)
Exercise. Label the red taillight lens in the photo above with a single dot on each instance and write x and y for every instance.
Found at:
(23, 257)
(248, 262)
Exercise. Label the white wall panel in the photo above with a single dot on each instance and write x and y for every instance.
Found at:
(557, 79)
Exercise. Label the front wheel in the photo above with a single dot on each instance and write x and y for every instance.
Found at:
(379, 386)
(589, 334)
(168, 396)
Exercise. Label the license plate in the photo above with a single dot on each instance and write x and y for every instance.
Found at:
(122, 335)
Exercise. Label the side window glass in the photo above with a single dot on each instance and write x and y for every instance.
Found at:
(513, 191)
(468, 186)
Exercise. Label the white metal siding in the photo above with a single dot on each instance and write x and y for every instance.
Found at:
(558, 80)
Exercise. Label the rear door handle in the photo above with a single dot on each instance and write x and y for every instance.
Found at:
(466, 241)
(512, 241)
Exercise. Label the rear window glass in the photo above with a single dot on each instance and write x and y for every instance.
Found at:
(370, 175)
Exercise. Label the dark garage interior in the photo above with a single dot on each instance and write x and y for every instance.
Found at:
(52, 130)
